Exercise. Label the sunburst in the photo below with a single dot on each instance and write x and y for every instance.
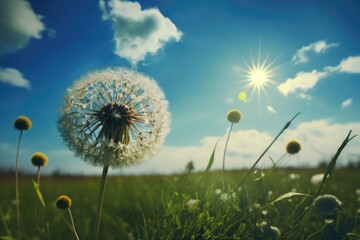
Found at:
(259, 76)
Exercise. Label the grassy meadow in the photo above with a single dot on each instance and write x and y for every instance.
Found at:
(187, 206)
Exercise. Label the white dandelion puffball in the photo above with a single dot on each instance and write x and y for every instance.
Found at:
(115, 117)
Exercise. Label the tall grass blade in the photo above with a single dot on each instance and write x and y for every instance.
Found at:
(332, 163)
(38, 193)
(257, 161)
(210, 163)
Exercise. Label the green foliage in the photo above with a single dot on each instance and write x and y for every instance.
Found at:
(157, 207)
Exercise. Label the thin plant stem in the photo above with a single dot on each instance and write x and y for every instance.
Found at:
(73, 224)
(100, 202)
(5, 225)
(227, 141)
(38, 177)
(257, 161)
(17, 185)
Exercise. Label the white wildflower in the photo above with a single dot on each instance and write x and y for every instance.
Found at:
(218, 191)
(224, 197)
(192, 203)
(317, 178)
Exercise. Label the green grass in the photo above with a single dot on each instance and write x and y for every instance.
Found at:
(155, 207)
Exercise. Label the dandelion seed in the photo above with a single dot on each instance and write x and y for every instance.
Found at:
(293, 147)
(114, 117)
(264, 212)
(326, 204)
(357, 191)
(240, 189)
(270, 193)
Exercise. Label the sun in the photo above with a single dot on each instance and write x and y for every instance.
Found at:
(258, 76)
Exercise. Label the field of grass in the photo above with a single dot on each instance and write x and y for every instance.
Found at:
(183, 207)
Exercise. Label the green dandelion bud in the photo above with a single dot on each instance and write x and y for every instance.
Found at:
(39, 159)
(293, 147)
(63, 202)
(326, 204)
(234, 116)
(22, 123)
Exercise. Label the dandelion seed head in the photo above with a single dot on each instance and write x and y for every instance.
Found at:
(22, 123)
(63, 202)
(116, 117)
(234, 116)
(293, 147)
(326, 204)
(39, 159)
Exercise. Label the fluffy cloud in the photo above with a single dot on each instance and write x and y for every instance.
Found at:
(346, 103)
(302, 81)
(18, 25)
(138, 32)
(318, 47)
(14, 77)
(349, 65)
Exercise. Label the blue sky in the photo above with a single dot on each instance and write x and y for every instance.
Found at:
(198, 53)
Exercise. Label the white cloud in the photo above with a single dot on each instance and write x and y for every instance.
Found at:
(12, 76)
(138, 32)
(303, 81)
(318, 47)
(346, 103)
(349, 65)
(270, 109)
(18, 24)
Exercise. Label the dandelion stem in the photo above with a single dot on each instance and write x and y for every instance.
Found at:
(17, 184)
(73, 224)
(227, 141)
(100, 202)
(38, 177)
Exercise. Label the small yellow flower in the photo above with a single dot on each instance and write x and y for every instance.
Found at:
(39, 159)
(63, 202)
(234, 116)
(293, 147)
(22, 123)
